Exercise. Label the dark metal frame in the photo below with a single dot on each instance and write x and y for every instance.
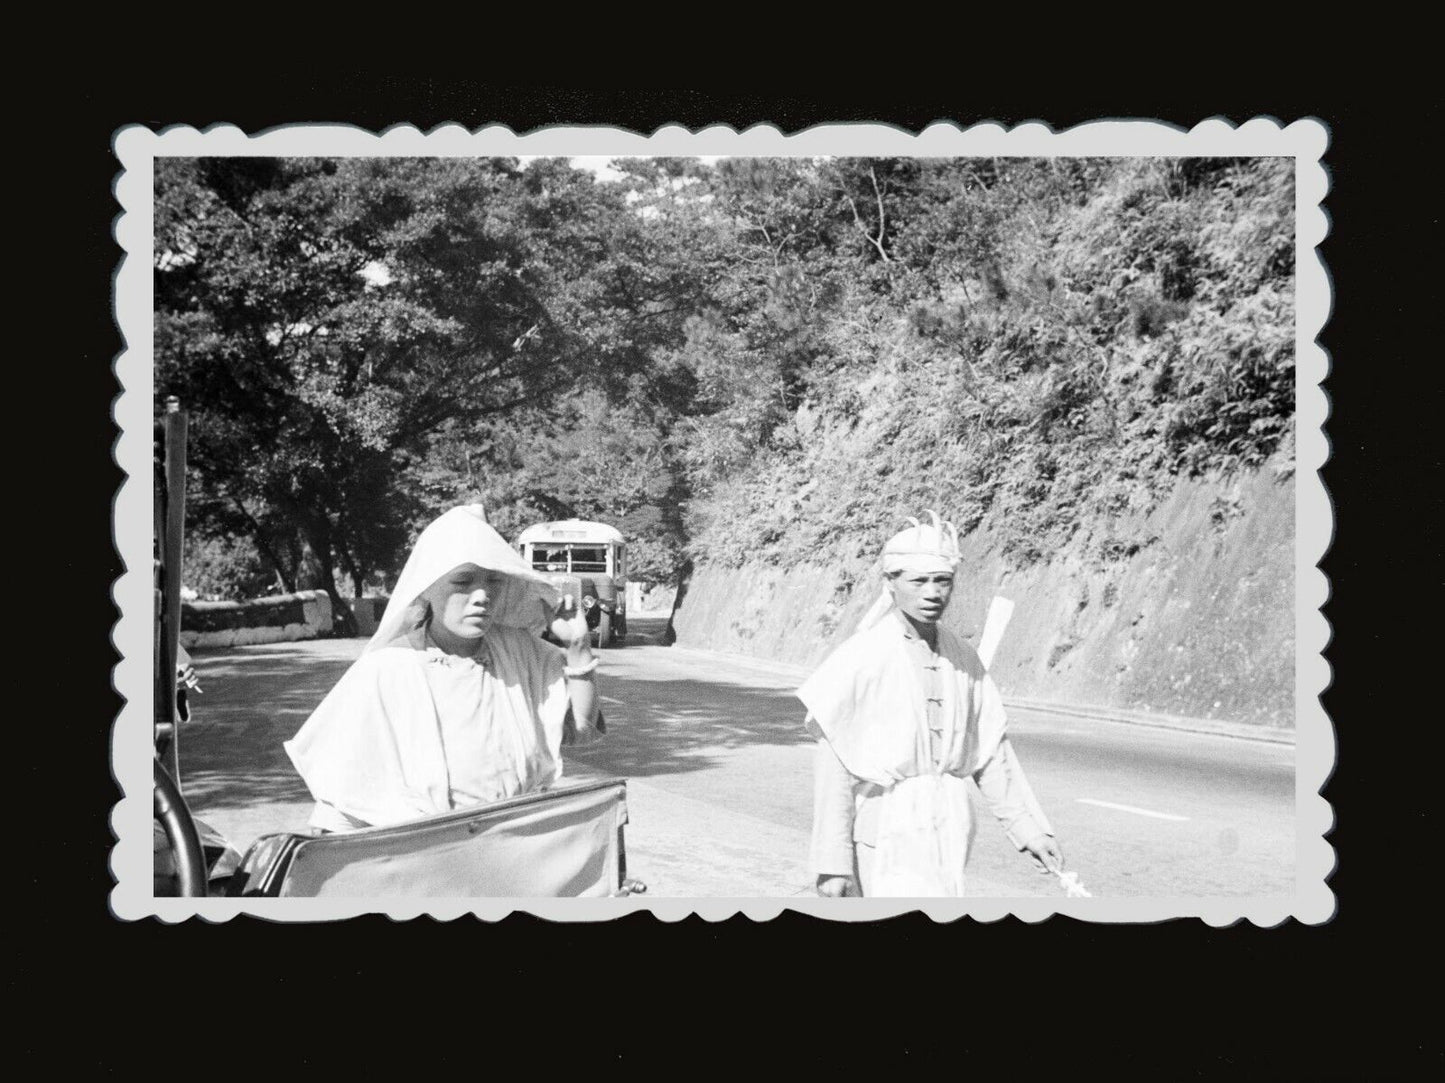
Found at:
(171, 810)
(261, 874)
(169, 801)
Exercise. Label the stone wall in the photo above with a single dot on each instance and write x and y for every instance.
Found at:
(303, 615)
(1199, 621)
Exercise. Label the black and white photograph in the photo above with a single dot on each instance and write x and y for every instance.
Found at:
(853, 522)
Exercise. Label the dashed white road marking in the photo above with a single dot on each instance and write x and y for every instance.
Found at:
(1130, 808)
(615, 702)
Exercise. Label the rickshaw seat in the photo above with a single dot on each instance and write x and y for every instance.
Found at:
(566, 841)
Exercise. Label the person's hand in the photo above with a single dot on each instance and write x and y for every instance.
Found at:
(186, 677)
(1046, 854)
(569, 626)
(837, 887)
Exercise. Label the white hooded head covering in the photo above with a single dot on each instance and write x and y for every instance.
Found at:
(376, 748)
(921, 547)
(463, 536)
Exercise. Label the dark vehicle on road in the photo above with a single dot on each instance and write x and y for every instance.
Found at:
(565, 841)
(586, 558)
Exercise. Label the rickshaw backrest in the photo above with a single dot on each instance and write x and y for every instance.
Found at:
(562, 842)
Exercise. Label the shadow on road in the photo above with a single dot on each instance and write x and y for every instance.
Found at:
(231, 754)
(647, 630)
(665, 727)
(258, 697)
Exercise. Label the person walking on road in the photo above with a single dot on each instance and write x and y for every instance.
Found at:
(905, 713)
(456, 700)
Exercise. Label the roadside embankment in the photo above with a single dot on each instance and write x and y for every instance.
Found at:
(278, 619)
(303, 615)
(1197, 621)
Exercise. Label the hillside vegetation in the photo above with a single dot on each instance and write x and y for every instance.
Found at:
(1088, 366)
(762, 364)
(1050, 350)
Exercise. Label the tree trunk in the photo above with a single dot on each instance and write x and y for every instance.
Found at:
(319, 537)
(683, 580)
(354, 571)
(343, 619)
(285, 575)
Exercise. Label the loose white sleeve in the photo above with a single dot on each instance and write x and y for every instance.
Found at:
(1006, 790)
(833, 789)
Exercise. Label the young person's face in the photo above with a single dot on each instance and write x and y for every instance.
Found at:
(922, 595)
(465, 600)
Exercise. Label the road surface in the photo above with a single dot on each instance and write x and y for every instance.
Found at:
(719, 775)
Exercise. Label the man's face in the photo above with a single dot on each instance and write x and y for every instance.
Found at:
(922, 595)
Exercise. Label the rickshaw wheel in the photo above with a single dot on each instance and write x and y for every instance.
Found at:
(604, 630)
(185, 841)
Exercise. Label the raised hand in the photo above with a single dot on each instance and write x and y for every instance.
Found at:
(569, 626)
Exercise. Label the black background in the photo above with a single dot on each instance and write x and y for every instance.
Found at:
(1176, 1000)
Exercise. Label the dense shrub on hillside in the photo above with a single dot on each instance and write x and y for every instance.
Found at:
(766, 358)
(1047, 344)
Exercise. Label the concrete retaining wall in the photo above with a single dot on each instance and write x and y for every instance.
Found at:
(368, 612)
(303, 615)
(1198, 622)
(650, 597)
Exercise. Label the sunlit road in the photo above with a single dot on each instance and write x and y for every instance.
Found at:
(719, 776)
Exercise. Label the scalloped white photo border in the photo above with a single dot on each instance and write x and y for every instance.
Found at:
(137, 147)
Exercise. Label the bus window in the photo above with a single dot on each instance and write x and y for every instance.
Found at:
(588, 558)
(549, 558)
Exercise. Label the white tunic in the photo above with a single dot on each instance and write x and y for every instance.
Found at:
(411, 732)
(902, 728)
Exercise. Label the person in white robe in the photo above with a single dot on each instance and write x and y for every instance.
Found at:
(456, 700)
(905, 713)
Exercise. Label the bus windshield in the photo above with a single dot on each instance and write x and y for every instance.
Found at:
(588, 558)
(569, 558)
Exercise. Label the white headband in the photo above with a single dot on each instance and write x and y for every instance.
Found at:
(922, 547)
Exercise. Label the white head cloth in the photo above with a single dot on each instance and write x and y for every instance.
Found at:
(463, 536)
(921, 547)
(376, 747)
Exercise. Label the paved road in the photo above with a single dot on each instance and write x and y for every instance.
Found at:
(719, 779)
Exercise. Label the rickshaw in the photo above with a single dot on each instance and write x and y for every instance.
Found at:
(588, 558)
(565, 841)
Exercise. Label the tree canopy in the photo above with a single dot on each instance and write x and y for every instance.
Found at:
(758, 359)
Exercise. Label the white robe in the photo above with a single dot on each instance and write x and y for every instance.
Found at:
(408, 733)
(867, 703)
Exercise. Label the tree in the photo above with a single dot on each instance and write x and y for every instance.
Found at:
(322, 319)
(759, 355)
(638, 259)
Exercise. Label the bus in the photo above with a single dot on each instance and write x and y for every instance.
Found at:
(580, 549)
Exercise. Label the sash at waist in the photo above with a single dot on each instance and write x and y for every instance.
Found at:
(925, 830)
(866, 803)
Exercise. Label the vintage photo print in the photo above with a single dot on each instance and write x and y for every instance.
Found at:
(853, 522)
